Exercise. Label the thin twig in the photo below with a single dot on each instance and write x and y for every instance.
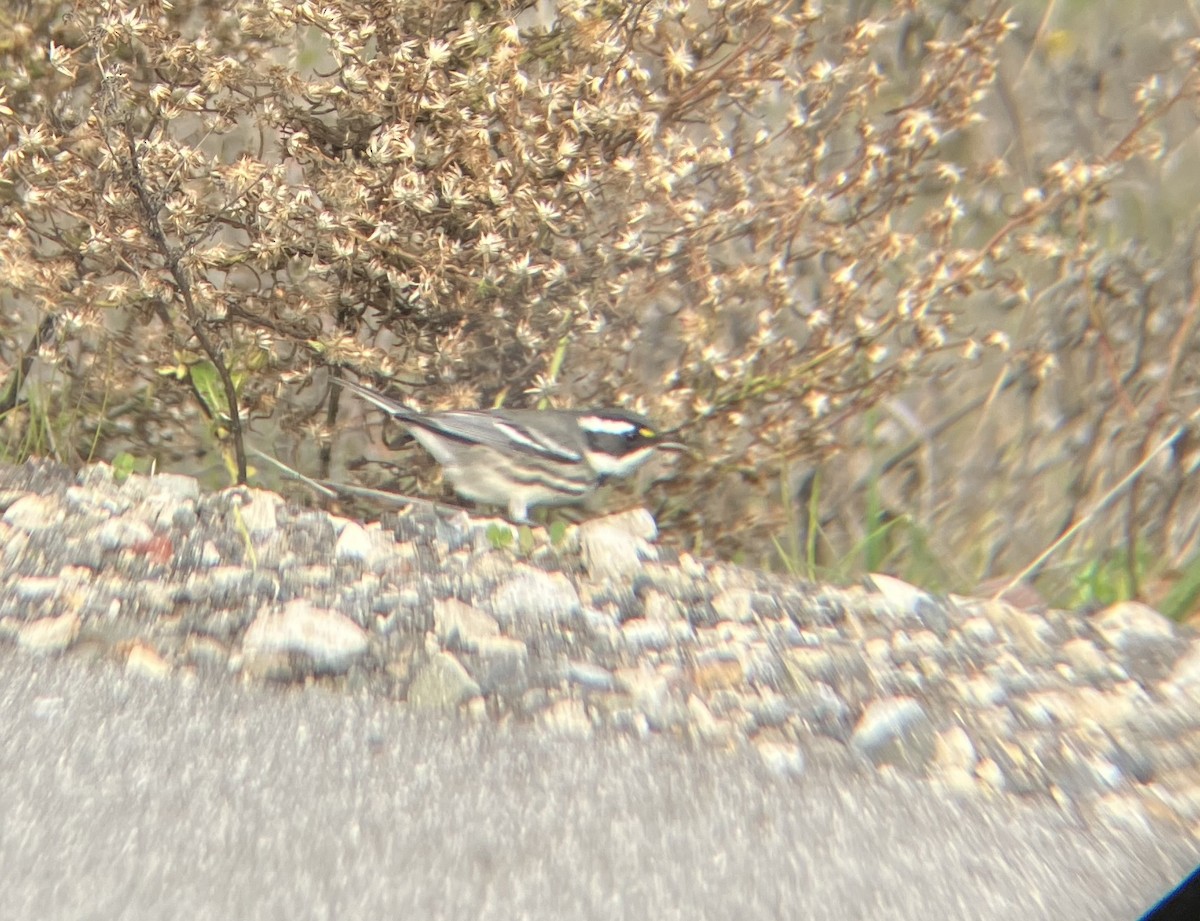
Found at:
(17, 381)
(194, 320)
(1104, 501)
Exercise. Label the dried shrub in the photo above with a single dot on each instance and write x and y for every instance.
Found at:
(753, 221)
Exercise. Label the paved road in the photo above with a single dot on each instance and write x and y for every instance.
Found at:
(127, 798)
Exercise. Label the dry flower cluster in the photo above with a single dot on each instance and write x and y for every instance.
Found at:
(751, 220)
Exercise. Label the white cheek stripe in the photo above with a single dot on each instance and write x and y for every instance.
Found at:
(602, 426)
(607, 465)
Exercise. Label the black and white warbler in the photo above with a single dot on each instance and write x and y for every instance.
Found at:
(521, 458)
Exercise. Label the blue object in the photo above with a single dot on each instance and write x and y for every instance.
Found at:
(1181, 905)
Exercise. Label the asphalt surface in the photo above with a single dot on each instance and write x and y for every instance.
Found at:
(130, 798)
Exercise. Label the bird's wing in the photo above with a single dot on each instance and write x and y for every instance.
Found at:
(511, 431)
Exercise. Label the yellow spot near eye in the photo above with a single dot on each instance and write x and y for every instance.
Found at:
(646, 433)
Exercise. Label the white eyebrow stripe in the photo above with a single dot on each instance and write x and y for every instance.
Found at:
(603, 426)
(540, 445)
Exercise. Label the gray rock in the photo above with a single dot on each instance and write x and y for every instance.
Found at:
(591, 677)
(499, 665)
(33, 514)
(441, 684)
(353, 545)
(460, 626)
(121, 534)
(617, 546)
(530, 598)
(897, 732)
(325, 641)
(49, 634)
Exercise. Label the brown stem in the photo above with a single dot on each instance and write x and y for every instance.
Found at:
(17, 381)
(194, 320)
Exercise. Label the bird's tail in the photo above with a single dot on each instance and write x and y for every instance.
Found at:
(392, 407)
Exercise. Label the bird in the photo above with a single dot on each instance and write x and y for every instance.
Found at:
(519, 459)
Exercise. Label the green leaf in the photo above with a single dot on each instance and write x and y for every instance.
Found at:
(499, 536)
(208, 386)
(123, 465)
